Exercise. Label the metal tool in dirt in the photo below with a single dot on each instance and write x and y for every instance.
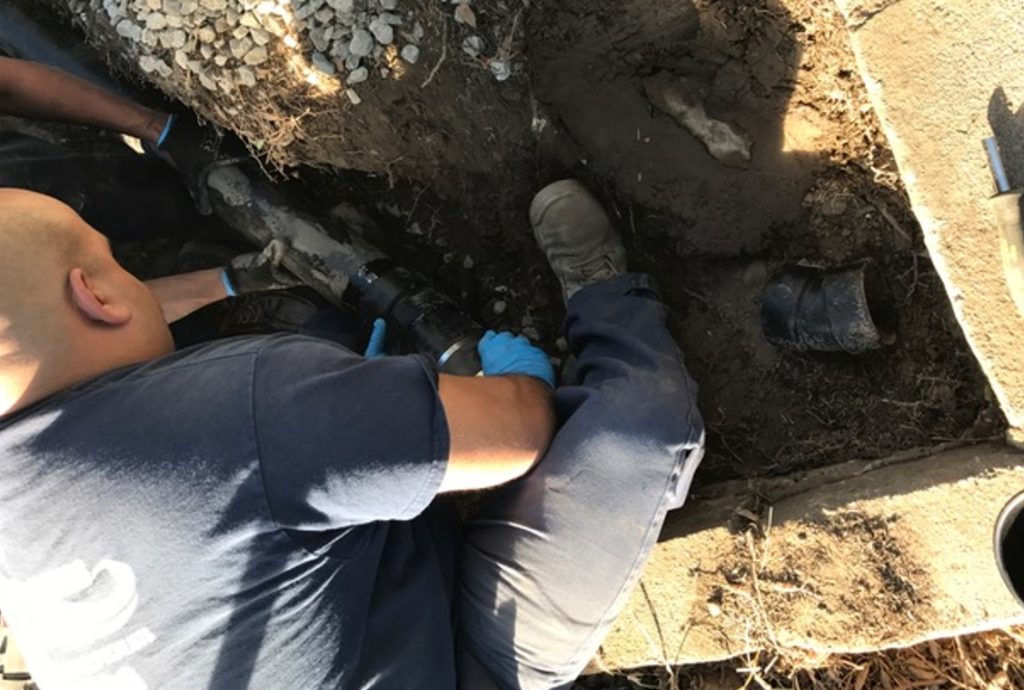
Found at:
(1006, 208)
(419, 318)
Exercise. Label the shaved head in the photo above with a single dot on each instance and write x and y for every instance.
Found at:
(41, 240)
(68, 310)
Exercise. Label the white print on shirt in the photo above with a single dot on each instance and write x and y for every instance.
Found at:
(60, 614)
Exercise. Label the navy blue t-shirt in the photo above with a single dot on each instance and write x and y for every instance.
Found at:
(251, 513)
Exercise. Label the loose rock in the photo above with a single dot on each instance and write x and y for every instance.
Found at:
(259, 37)
(340, 49)
(256, 56)
(148, 63)
(239, 47)
(361, 44)
(246, 77)
(320, 40)
(156, 21)
(501, 69)
(473, 46)
(384, 33)
(464, 14)
(410, 54)
(208, 83)
(175, 38)
(129, 30)
(220, 41)
(322, 64)
(358, 76)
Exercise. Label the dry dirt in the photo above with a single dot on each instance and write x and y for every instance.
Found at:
(988, 661)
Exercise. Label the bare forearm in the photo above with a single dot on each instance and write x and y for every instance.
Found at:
(182, 294)
(499, 427)
(34, 91)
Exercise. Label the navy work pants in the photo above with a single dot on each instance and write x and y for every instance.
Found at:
(551, 558)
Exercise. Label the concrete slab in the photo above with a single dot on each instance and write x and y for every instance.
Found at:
(852, 558)
(943, 74)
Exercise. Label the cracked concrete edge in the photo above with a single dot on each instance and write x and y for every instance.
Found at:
(859, 15)
(931, 229)
(933, 516)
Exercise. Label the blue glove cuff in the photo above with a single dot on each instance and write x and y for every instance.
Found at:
(226, 281)
(167, 130)
(544, 372)
(376, 348)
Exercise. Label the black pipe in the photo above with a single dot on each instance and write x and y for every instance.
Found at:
(419, 318)
(1009, 546)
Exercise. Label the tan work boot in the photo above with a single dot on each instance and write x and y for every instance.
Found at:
(574, 232)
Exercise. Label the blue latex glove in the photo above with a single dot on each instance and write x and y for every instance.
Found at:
(504, 353)
(375, 348)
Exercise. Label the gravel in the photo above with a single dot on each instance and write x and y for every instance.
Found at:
(473, 46)
(225, 45)
(358, 76)
(410, 54)
(361, 43)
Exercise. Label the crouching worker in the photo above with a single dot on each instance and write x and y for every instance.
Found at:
(263, 512)
(269, 511)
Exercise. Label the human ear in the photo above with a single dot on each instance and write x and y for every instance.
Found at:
(93, 303)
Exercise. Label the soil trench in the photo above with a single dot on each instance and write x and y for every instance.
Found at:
(820, 187)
